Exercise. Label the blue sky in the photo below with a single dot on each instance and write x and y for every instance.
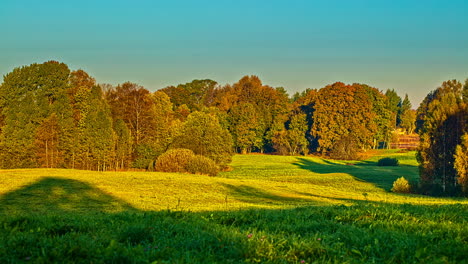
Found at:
(410, 46)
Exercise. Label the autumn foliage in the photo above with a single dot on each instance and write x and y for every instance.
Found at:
(57, 118)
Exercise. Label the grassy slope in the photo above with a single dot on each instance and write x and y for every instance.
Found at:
(57, 215)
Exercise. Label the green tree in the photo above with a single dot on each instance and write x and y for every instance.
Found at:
(203, 134)
(394, 102)
(98, 132)
(29, 95)
(404, 107)
(292, 139)
(247, 127)
(443, 123)
(270, 107)
(123, 145)
(195, 94)
(383, 117)
(408, 121)
(160, 135)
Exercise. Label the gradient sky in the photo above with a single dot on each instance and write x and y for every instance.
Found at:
(407, 45)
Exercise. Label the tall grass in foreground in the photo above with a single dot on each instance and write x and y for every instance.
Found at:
(362, 233)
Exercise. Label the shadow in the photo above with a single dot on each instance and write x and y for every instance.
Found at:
(249, 194)
(365, 171)
(59, 195)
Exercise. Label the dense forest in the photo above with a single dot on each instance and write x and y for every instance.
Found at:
(53, 117)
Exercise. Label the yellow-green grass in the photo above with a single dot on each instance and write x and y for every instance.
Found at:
(297, 210)
(256, 181)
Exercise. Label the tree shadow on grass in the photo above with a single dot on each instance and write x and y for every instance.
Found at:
(254, 195)
(366, 171)
(59, 195)
(257, 196)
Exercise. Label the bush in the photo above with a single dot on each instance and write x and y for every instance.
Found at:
(388, 162)
(202, 165)
(401, 185)
(174, 160)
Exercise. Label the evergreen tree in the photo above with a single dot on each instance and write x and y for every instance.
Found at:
(404, 107)
(394, 102)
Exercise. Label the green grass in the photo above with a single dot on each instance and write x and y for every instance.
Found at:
(268, 209)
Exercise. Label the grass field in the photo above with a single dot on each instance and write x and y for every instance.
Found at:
(273, 209)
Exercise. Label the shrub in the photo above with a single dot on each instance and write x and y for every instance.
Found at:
(401, 185)
(202, 165)
(174, 160)
(388, 162)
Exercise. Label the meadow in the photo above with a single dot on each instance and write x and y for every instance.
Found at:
(267, 209)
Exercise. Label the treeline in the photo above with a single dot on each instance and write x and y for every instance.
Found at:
(53, 117)
(56, 118)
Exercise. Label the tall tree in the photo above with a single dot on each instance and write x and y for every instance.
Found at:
(47, 143)
(394, 102)
(98, 132)
(404, 107)
(132, 103)
(29, 95)
(160, 133)
(443, 122)
(383, 116)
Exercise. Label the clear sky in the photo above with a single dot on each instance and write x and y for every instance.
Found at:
(407, 45)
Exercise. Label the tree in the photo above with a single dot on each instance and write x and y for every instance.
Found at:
(292, 139)
(246, 127)
(408, 121)
(195, 94)
(203, 134)
(343, 111)
(47, 143)
(28, 96)
(383, 117)
(270, 107)
(99, 135)
(394, 102)
(461, 163)
(160, 133)
(443, 122)
(404, 107)
(132, 103)
(123, 145)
